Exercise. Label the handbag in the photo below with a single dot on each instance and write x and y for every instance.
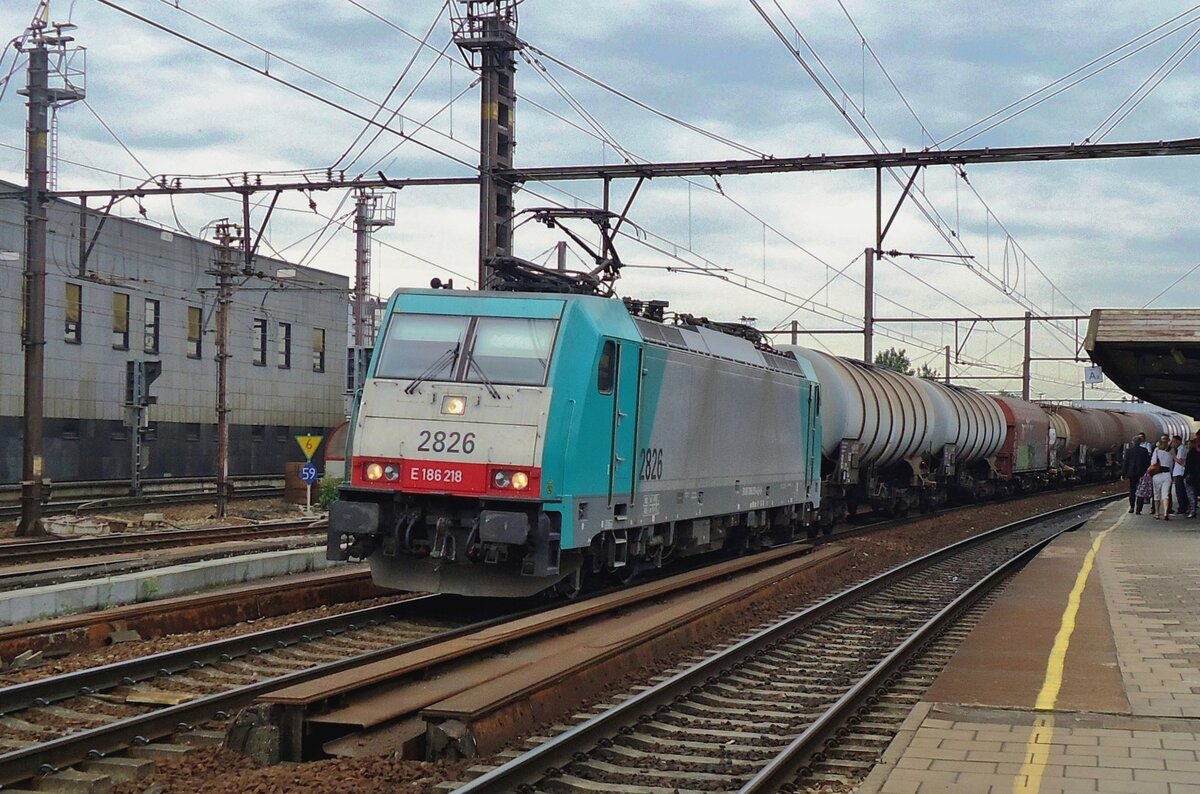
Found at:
(1145, 488)
(1154, 469)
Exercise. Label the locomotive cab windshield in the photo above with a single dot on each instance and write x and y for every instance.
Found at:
(454, 348)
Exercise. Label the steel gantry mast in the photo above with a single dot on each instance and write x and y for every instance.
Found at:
(372, 210)
(487, 35)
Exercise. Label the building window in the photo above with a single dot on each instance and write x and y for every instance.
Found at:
(318, 350)
(70, 428)
(258, 432)
(260, 342)
(285, 345)
(152, 323)
(193, 431)
(195, 331)
(283, 433)
(120, 321)
(73, 331)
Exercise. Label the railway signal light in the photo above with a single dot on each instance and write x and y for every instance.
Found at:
(139, 375)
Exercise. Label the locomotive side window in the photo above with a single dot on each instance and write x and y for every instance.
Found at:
(419, 345)
(606, 372)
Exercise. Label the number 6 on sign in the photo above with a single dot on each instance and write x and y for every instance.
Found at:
(309, 444)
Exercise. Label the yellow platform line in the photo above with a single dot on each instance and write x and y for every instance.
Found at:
(1037, 748)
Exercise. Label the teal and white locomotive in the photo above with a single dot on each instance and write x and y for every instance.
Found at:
(506, 443)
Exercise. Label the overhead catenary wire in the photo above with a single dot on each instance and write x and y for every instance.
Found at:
(601, 134)
(842, 108)
(1097, 136)
(644, 106)
(391, 92)
(952, 239)
(1099, 59)
(178, 224)
(274, 55)
(264, 73)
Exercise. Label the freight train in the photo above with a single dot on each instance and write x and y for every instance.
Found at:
(506, 444)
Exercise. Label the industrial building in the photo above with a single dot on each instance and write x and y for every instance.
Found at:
(137, 292)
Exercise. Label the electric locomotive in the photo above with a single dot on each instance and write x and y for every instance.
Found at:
(506, 443)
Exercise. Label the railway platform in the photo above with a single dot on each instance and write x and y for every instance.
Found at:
(1084, 675)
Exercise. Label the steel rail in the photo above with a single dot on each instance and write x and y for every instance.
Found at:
(523, 772)
(17, 553)
(52, 756)
(126, 502)
(95, 679)
(788, 764)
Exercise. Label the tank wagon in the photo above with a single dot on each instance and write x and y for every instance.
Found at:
(505, 443)
(1087, 444)
(898, 443)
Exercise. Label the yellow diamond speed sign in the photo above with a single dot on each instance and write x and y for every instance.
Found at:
(309, 444)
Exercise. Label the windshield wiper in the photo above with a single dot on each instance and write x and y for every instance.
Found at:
(447, 358)
(471, 362)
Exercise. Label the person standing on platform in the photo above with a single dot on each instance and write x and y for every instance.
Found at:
(1179, 450)
(1137, 460)
(1161, 464)
(1191, 473)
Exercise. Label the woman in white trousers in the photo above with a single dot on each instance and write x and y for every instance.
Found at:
(1163, 458)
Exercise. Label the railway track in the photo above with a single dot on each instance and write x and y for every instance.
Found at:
(206, 681)
(754, 715)
(60, 549)
(85, 497)
(52, 723)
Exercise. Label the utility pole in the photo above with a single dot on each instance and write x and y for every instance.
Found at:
(869, 274)
(487, 34)
(371, 211)
(947, 378)
(41, 97)
(1028, 358)
(869, 307)
(227, 236)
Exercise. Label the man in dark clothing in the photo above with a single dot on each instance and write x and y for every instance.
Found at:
(1137, 460)
(1191, 471)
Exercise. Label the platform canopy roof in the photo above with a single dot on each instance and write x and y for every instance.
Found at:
(1154, 354)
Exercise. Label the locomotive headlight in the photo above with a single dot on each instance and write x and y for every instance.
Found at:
(374, 471)
(520, 481)
(391, 472)
(454, 406)
(501, 479)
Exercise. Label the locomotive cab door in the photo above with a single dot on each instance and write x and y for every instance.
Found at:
(625, 387)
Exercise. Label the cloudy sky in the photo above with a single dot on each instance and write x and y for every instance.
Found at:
(1061, 238)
